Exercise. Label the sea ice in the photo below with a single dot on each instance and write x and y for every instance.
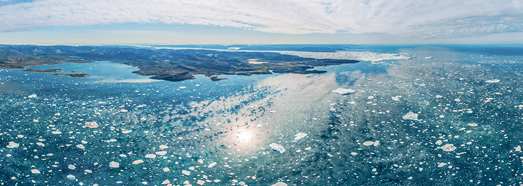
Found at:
(277, 147)
(32, 96)
(492, 81)
(161, 153)
(299, 136)
(343, 91)
(91, 124)
(151, 156)
(212, 165)
(12, 145)
(368, 143)
(163, 147)
(71, 177)
(136, 162)
(35, 171)
(411, 116)
(186, 172)
(279, 184)
(114, 164)
(448, 147)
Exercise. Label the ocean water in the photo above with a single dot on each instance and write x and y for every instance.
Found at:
(447, 115)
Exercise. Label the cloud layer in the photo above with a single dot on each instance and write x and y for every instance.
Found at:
(425, 19)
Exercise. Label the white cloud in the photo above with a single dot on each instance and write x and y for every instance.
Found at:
(428, 18)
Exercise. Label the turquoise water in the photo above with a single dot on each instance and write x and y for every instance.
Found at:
(467, 131)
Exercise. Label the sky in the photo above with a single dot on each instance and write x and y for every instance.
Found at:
(261, 22)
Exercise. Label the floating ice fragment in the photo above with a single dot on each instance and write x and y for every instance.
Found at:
(354, 153)
(448, 147)
(71, 177)
(277, 147)
(299, 136)
(186, 172)
(72, 167)
(151, 156)
(343, 91)
(411, 116)
(279, 184)
(308, 148)
(35, 171)
(163, 147)
(80, 146)
(114, 164)
(442, 164)
(40, 144)
(212, 165)
(200, 182)
(396, 98)
(518, 148)
(91, 124)
(429, 57)
(32, 96)
(492, 81)
(438, 96)
(123, 110)
(166, 169)
(472, 124)
(376, 143)
(166, 182)
(136, 162)
(161, 153)
(259, 125)
(126, 131)
(439, 142)
(368, 143)
(56, 132)
(13, 145)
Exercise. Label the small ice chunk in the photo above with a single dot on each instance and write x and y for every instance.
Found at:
(35, 171)
(123, 110)
(343, 91)
(151, 156)
(32, 96)
(40, 144)
(80, 146)
(299, 136)
(472, 124)
(277, 147)
(163, 147)
(368, 143)
(376, 143)
(71, 177)
(411, 116)
(91, 124)
(442, 164)
(259, 125)
(166, 169)
(439, 96)
(279, 184)
(518, 148)
(72, 167)
(114, 164)
(308, 148)
(200, 182)
(212, 165)
(186, 172)
(439, 142)
(448, 147)
(136, 162)
(126, 131)
(56, 132)
(492, 81)
(13, 145)
(161, 153)
(354, 153)
(166, 182)
(396, 98)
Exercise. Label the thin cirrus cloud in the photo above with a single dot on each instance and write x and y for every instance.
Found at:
(422, 19)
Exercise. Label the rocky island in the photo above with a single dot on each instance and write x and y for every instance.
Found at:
(163, 64)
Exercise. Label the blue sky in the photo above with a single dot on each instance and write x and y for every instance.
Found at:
(260, 22)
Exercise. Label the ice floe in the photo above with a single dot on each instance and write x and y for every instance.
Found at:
(277, 147)
(299, 136)
(411, 116)
(344, 91)
(448, 147)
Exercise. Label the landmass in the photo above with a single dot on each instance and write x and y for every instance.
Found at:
(43, 71)
(164, 64)
(73, 74)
